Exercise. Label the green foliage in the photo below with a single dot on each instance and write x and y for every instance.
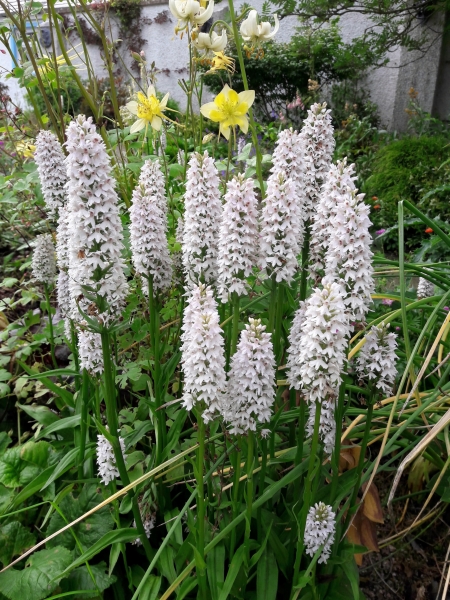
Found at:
(414, 169)
(39, 579)
(69, 93)
(281, 70)
(89, 530)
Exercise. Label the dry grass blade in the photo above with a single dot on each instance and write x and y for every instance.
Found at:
(443, 421)
(115, 496)
(427, 360)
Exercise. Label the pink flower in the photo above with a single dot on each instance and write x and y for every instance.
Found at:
(387, 301)
(380, 231)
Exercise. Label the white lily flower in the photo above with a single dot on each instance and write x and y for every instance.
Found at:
(252, 31)
(214, 42)
(191, 12)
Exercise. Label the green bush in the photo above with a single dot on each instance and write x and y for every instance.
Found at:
(409, 169)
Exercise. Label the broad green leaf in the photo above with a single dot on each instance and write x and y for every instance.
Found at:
(267, 576)
(14, 540)
(91, 529)
(41, 414)
(5, 440)
(67, 462)
(151, 588)
(14, 471)
(215, 563)
(33, 487)
(140, 429)
(80, 579)
(117, 536)
(8, 282)
(167, 565)
(5, 498)
(36, 453)
(233, 571)
(39, 579)
(67, 423)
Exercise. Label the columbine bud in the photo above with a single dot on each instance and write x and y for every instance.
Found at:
(251, 386)
(202, 351)
(43, 263)
(255, 32)
(319, 530)
(190, 12)
(213, 41)
(49, 158)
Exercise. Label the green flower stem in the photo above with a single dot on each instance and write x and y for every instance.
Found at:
(360, 467)
(82, 409)
(305, 256)
(261, 487)
(279, 302)
(50, 325)
(337, 446)
(248, 518)
(74, 346)
(307, 493)
(201, 509)
(113, 423)
(272, 305)
(155, 342)
(235, 500)
(235, 326)
(237, 40)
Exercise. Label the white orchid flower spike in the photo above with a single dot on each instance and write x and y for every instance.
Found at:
(214, 42)
(191, 12)
(252, 31)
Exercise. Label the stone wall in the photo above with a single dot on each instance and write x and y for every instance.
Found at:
(388, 86)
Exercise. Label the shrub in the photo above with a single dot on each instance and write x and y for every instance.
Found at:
(408, 169)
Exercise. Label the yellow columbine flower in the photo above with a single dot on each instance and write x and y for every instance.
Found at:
(25, 149)
(148, 109)
(220, 61)
(229, 109)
